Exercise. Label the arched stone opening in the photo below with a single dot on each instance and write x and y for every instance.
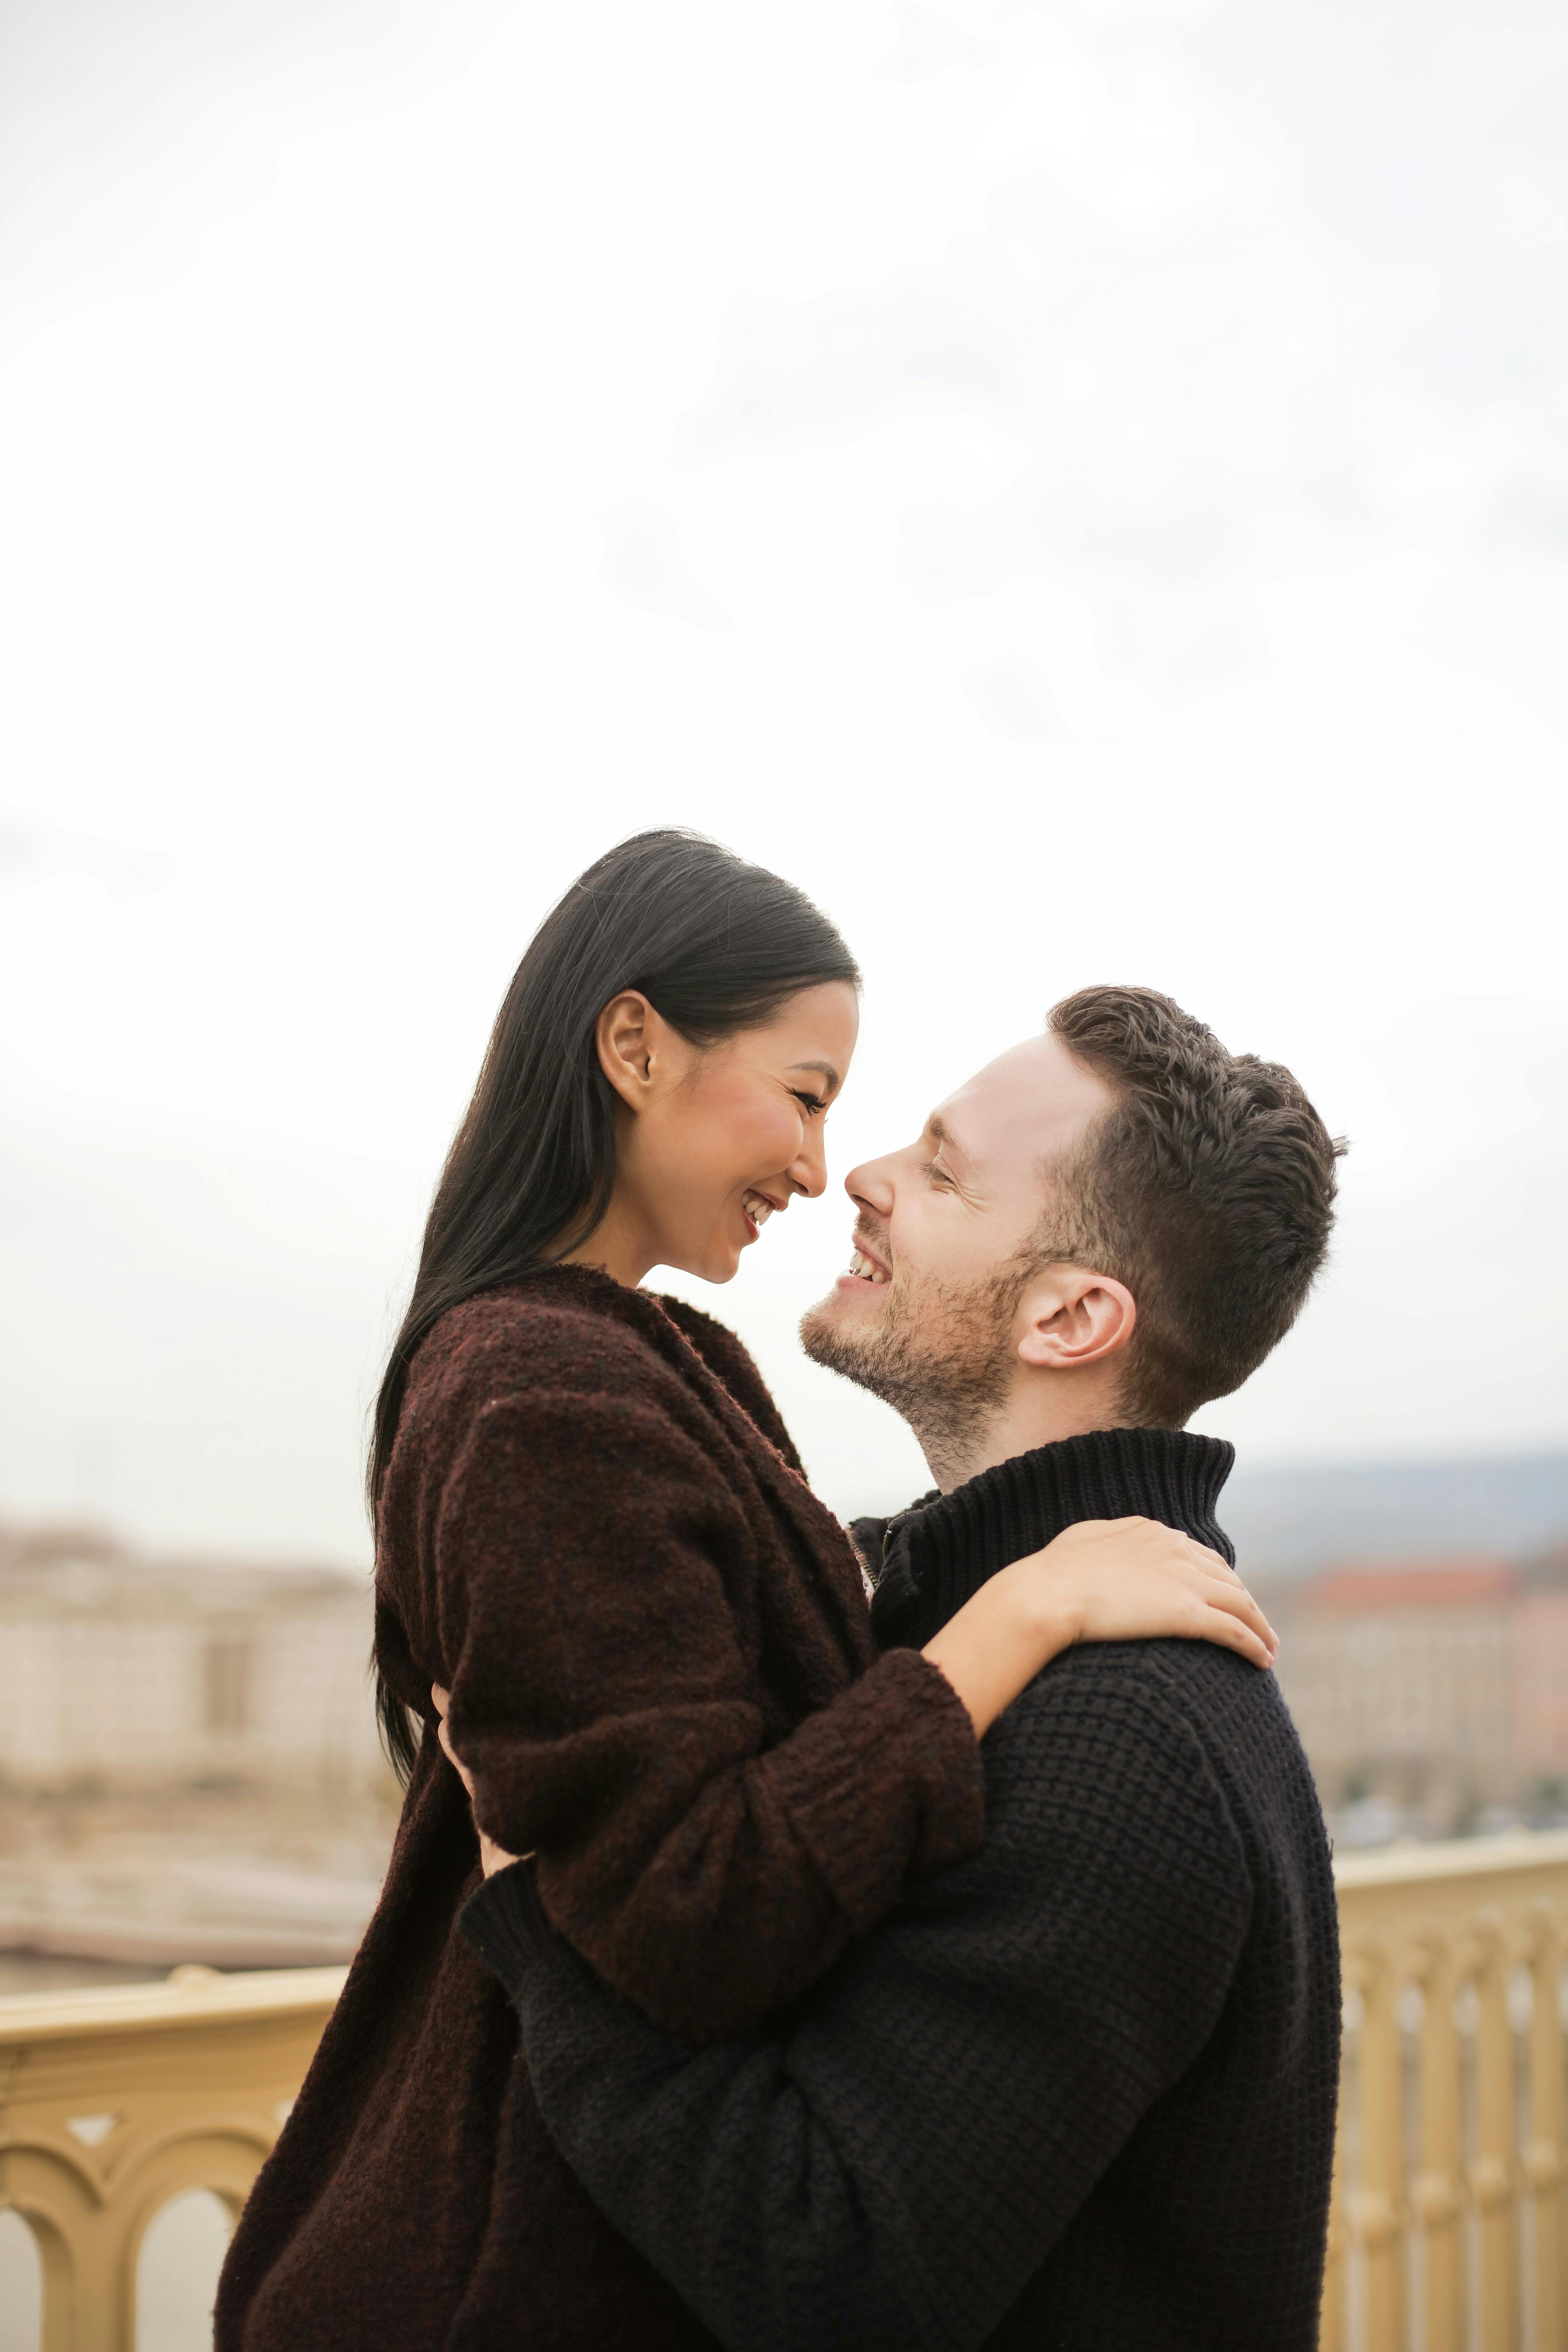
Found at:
(177, 2265)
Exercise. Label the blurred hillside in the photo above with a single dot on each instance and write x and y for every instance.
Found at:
(1288, 1520)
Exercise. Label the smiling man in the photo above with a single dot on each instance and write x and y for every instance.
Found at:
(957, 1284)
(1080, 2092)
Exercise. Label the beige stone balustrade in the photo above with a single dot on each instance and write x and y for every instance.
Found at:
(1447, 2232)
(112, 2102)
(1448, 2225)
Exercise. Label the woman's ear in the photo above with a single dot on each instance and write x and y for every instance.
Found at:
(1070, 1317)
(624, 1036)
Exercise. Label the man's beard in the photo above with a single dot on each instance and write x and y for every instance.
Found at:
(941, 1358)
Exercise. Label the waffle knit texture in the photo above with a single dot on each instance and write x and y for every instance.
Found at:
(594, 1532)
(1078, 2092)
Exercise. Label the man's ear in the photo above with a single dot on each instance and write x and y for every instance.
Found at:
(1070, 1317)
(625, 1035)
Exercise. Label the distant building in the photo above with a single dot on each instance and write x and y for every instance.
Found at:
(134, 1672)
(1441, 1687)
(1541, 1667)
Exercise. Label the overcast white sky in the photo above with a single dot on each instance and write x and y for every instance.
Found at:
(1081, 487)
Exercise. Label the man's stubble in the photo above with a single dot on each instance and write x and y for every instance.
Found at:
(941, 1356)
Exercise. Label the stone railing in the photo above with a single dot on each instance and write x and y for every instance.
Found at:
(1447, 2233)
(113, 2101)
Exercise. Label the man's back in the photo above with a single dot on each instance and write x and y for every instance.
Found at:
(1206, 2228)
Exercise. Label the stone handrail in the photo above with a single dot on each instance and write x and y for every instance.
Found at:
(1449, 2200)
(113, 2101)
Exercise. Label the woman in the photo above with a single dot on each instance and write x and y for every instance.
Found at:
(593, 1529)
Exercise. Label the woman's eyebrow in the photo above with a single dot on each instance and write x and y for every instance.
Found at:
(822, 1069)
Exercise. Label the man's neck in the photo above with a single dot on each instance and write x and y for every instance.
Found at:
(1040, 1412)
(936, 1555)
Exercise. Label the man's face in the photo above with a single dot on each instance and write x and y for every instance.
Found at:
(925, 1316)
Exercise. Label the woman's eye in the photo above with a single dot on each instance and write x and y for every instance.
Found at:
(809, 1102)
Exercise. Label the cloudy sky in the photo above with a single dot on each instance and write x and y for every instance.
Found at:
(1082, 487)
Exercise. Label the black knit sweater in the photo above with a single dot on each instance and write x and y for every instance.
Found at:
(1079, 2091)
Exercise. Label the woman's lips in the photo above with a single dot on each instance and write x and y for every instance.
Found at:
(757, 1208)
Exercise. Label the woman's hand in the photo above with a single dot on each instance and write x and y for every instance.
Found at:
(492, 1857)
(1099, 1580)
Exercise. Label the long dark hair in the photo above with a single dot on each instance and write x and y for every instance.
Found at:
(715, 945)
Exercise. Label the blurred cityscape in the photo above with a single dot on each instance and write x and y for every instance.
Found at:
(1423, 1611)
(189, 1771)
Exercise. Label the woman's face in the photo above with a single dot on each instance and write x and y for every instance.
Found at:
(715, 1141)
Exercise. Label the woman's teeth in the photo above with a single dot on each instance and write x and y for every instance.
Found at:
(757, 1208)
(865, 1269)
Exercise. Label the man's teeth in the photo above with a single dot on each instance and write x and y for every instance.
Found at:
(758, 1209)
(865, 1269)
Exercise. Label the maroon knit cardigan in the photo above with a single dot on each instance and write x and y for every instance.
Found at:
(596, 1532)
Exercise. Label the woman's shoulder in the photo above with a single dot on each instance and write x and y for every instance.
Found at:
(574, 1328)
(560, 1326)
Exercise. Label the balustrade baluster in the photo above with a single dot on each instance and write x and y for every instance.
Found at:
(1331, 2313)
(1545, 2152)
(1439, 2192)
(1494, 2173)
(1377, 2211)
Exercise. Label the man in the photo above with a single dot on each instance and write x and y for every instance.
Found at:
(1078, 2091)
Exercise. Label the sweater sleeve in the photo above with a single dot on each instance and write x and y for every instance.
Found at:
(602, 1700)
(889, 2174)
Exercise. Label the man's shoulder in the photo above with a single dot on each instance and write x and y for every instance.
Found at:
(1171, 1729)
(1179, 1688)
(1179, 1744)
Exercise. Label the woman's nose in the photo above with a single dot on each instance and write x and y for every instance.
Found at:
(809, 1169)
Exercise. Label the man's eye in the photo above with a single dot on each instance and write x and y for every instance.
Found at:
(938, 1175)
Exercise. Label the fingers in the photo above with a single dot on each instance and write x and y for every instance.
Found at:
(1222, 1587)
(1236, 1601)
(1222, 1573)
(1234, 1633)
(1165, 1553)
(1213, 1563)
(453, 1759)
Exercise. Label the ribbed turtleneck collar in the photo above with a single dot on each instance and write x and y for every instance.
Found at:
(936, 1554)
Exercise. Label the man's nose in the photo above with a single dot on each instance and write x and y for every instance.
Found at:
(871, 1185)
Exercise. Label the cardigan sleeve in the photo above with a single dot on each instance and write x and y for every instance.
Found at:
(602, 1700)
(889, 2173)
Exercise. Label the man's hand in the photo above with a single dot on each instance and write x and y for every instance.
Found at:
(492, 1857)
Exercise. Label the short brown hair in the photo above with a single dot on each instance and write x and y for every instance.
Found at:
(1208, 1188)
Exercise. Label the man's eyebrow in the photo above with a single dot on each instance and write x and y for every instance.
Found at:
(943, 1135)
(823, 1070)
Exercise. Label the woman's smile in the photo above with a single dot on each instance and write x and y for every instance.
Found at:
(757, 1207)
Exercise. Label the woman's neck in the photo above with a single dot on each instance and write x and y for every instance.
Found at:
(617, 1246)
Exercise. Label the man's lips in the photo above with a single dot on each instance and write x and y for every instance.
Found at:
(865, 1266)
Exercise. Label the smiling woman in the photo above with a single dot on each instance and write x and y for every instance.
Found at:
(579, 1144)
(711, 1143)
